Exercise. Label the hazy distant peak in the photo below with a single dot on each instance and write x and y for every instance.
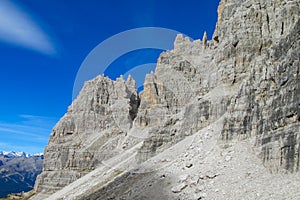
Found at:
(13, 154)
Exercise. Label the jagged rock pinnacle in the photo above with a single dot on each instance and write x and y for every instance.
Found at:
(226, 116)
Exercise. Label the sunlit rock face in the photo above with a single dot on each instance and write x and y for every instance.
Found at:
(90, 132)
(241, 87)
(259, 51)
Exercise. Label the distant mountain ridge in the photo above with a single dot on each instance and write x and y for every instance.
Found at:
(18, 171)
(13, 154)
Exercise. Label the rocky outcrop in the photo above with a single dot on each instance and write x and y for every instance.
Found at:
(182, 96)
(92, 131)
(261, 52)
(205, 98)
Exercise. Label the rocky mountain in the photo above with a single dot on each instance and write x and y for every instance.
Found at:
(12, 154)
(217, 119)
(18, 171)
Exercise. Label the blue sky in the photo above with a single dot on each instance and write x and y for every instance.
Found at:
(43, 44)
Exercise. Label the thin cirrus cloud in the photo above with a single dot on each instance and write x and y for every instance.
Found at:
(17, 27)
(17, 148)
(37, 127)
(31, 132)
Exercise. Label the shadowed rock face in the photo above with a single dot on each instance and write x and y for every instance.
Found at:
(248, 76)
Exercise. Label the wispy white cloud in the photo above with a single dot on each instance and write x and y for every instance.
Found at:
(28, 149)
(31, 132)
(41, 121)
(24, 131)
(18, 27)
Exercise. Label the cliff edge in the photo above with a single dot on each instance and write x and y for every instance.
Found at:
(217, 119)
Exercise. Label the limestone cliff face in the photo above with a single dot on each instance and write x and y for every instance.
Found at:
(90, 132)
(182, 96)
(254, 53)
(259, 51)
(246, 80)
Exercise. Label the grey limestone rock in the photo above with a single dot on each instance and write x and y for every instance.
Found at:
(90, 132)
(262, 52)
(245, 84)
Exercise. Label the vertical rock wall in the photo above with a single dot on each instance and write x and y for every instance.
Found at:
(91, 131)
(248, 74)
(259, 51)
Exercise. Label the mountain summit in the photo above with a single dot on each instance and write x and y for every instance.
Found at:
(219, 119)
(12, 154)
